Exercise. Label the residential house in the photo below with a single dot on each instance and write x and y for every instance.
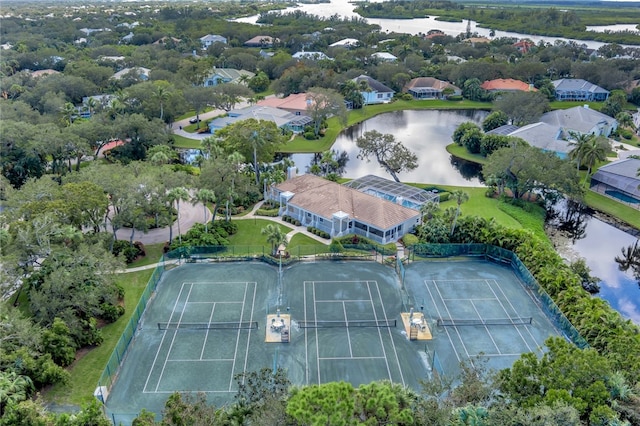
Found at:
(541, 135)
(431, 34)
(141, 73)
(166, 39)
(263, 41)
(312, 56)
(295, 103)
(582, 120)
(127, 38)
(384, 57)
(226, 75)
(476, 40)
(283, 119)
(209, 39)
(377, 93)
(42, 73)
(523, 46)
(430, 88)
(619, 180)
(340, 210)
(576, 89)
(507, 85)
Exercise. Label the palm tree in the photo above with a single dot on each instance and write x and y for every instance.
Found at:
(204, 196)
(625, 119)
(460, 197)
(429, 209)
(579, 143)
(91, 105)
(176, 195)
(595, 150)
(68, 111)
(161, 94)
(275, 237)
(244, 79)
(13, 389)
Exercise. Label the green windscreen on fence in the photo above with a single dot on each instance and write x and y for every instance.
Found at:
(500, 255)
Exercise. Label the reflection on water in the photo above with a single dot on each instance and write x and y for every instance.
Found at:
(599, 243)
(426, 133)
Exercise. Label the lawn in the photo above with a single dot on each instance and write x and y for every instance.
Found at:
(249, 232)
(153, 253)
(86, 371)
(182, 142)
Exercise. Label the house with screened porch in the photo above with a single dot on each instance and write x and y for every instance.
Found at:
(340, 210)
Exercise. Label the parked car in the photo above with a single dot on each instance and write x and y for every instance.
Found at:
(193, 120)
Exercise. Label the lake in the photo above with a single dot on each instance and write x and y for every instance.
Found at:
(426, 133)
(423, 25)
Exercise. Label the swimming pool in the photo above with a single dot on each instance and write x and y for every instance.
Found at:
(622, 197)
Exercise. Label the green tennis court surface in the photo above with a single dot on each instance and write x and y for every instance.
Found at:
(199, 329)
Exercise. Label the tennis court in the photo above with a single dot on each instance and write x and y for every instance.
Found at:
(476, 310)
(207, 322)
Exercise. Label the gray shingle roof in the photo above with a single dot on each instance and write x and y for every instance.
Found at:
(374, 84)
(580, 119)
(577, 84)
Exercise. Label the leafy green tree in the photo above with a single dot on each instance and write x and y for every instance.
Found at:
(614, 103)
(324, 103)
(352, 93)
(226, 96)
(495, 120)
(472, 140)
(255, 139)
(259, 82)
(188, 409)
(461, 130)
(58, 342)
(383, 403)
(588, 150)
(523, 169)
(327, 404)
(390, 154)
(522, 107)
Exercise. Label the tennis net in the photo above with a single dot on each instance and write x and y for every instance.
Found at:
(347, 324)
(490, 321)
(207, 325)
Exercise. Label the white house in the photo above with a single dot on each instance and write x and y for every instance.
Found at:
(312, 56)
(226, 75)
(209, 39)
(377, 92)
(340, 210)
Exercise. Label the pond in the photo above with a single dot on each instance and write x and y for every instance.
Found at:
(599, 243)
(426, 133)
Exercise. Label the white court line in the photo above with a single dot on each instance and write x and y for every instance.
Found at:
(342, 300)
(515, 311)
(214, 301)
(350, 281)
(203, 360)
(435, 305)
(175, 333)
(162, 340)
(472, 298)
(375, 315)
(306, 344)
(485, 327)
(313, 284)
(206, 336)
(395, 349)
(352, 357)
(253, 305)
(235, 354)
(344, 311)
(456, 328)
(463, 281)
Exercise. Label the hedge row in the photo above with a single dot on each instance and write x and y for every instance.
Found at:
(320, 233)
(291, 220)
(267, 212)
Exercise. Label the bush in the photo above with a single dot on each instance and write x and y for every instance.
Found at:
(409, 240)
(110, 313)
(445, 196)
(310, 136)
(626, 133)
(454, 98)
(266, 212)
(129, 251)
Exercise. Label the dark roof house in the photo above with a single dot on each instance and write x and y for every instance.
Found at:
(377, 93)
(576, 89)
(430, 88)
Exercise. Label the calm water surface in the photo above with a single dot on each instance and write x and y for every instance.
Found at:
(426, 133)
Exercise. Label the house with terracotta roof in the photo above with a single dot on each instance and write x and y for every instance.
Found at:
(524, 46)
(476, 40)
(507, 85)
(577, 89)
(263, 41)
(340, 210)
(294, 103)
(430, 88)
(377, 93)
